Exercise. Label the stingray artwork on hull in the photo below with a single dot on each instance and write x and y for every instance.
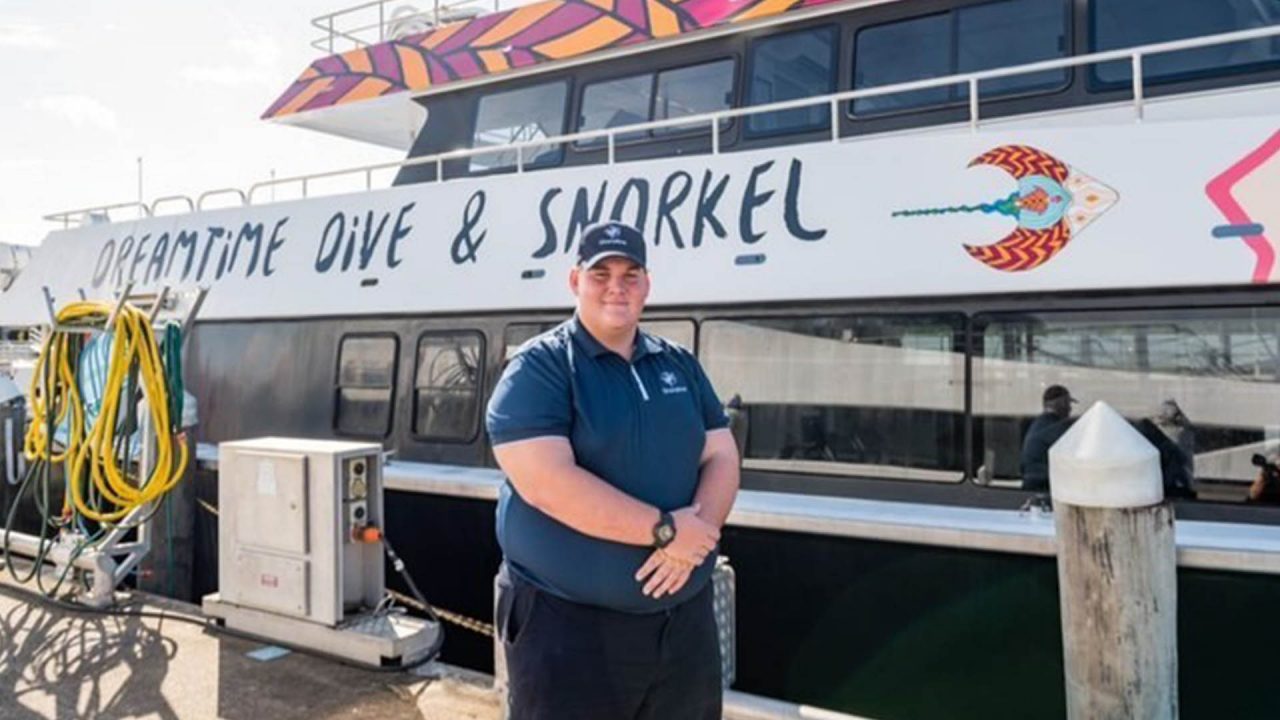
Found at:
(1052, 204)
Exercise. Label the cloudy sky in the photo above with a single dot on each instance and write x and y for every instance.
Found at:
(92, 86)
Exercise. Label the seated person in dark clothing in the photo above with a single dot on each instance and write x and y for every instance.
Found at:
(1044, 432)
(1265, 489)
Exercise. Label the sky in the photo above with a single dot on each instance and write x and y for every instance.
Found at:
(92, 86)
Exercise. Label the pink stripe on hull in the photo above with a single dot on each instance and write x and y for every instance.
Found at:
(634, 13)
(386, 64)
(474, 29)
(562, 20)
(706, 13)
(1219, 191)
(464, 65)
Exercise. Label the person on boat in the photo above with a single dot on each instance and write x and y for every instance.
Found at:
(1042, 434)
(739, 423)
(1266, 487)
(621, 470)
(1171, 433)
(1176, 426)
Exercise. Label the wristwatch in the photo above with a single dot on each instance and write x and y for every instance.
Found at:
(664, 531)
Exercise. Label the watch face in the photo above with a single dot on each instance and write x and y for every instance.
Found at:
(666, 533)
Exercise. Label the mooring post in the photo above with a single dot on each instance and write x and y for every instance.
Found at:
(1116, 571)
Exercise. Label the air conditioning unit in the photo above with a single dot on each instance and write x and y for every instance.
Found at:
(299, 556)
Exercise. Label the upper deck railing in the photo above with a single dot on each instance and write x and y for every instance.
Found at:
(12, 259)
(378, 21)
(973, 81)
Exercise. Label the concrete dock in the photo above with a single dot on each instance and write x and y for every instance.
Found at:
(57, 663)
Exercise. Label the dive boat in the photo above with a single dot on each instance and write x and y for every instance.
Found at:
(885, 227)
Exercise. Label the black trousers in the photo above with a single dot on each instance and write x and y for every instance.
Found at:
(567, 661)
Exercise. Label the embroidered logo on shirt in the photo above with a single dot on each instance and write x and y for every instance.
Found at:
(669, 386)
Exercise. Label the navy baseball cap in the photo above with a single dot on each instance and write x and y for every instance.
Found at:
(612, 239)
(1053, 392)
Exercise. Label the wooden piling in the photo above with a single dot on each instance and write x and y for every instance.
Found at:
(1116, 571)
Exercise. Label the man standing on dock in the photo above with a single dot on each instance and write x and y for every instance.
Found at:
(621, 470)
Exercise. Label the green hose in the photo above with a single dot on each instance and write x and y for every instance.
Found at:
(171, 353)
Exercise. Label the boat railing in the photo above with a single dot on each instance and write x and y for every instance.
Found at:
(99, 213)
(370, 23)
(10, 266)
(170, 199)
(244, 198)
(715, 121)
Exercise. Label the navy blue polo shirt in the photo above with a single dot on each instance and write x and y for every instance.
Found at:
(640, 426)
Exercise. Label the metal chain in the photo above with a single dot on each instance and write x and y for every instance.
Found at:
(462, 621)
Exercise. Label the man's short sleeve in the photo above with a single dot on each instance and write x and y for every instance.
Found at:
(532, 400)
(713, 415)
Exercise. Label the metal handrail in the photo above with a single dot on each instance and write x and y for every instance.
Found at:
(244, 199)
(325, 23)
(714, 119)
(66, 216)
(328, 23)
(191, 206)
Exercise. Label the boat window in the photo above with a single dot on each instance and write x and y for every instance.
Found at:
(870, 396)
(692, 91)
(1125, 23)
(968, 39)
(516, 116)
(614, 103)
(521, 333)
(788, 67)
(1202, 385)
(366, 385)
(446, 389)
(678, 331)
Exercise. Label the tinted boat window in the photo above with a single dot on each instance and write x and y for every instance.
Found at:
(788, 67)
(446, 399)
(873, 396)
(1201, 385)
(615, 103)
(1126, 23)
(969, 39)
(677, 331)
(517, 116)
(519, 334)
(366, 385)
(694, 90)
(680, 332)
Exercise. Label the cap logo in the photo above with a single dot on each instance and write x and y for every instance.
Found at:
(611, 239)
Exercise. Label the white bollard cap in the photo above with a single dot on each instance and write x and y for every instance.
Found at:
(1102, 461)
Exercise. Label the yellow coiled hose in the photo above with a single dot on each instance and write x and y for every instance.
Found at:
(93, 453)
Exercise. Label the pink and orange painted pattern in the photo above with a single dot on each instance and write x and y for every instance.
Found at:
(526, 36)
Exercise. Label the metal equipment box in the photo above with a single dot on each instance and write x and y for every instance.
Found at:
(288, 528)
